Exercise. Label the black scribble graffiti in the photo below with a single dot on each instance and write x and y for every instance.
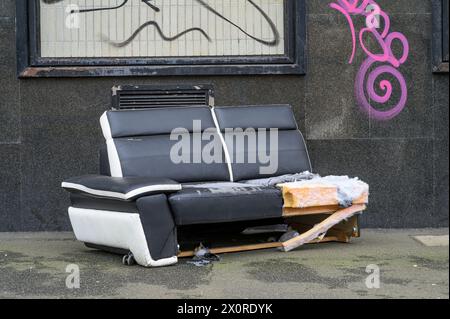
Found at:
(147, 2)
(100, 9)
(51, 1)
(160, 32)
(272, 25)
(274, 42)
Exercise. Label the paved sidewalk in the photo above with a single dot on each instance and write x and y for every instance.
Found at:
(33, 265)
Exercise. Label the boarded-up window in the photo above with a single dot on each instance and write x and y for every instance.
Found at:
(180, 28)
(160, 37)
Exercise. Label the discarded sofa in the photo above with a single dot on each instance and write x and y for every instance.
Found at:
(142, 194)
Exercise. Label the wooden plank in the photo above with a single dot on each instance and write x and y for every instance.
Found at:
(348, 228)
(317, 210)
(363, 199)
(322, 227)
(292, 212)
(311, 195)
(235, 249)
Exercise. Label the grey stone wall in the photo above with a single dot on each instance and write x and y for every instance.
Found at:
(49, 127)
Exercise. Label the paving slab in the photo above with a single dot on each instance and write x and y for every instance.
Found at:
(433, 241)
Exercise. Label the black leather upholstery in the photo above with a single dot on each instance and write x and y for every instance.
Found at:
(104, 168)
(158, 224)
(150, 156)
(292, 156)
(143, 142)
(86, 201)
(265, 116)
(225, 204)
(126, 188)
(157, 121)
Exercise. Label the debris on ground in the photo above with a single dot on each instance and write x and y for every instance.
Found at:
(203, 256)
(289, 235)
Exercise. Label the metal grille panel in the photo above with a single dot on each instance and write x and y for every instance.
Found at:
(144, 96)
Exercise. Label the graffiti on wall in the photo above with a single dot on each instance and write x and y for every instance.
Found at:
(236, 22)
(386, 64)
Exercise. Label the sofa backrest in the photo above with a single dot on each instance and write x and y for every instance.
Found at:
(139, 142)
(285, 149)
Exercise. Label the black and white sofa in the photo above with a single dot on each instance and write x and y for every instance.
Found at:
(141, 195)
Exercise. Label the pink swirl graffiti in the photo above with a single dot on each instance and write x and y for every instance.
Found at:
(361, 87)
(365, 92)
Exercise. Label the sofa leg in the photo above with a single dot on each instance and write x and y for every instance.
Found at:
(128, 259)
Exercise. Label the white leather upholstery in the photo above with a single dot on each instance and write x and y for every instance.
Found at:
(114, 229)
(113, 155)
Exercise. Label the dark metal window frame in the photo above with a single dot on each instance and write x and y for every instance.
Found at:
(30, 64)
(440, 36)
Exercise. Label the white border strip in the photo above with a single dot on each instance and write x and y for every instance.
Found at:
(307, 151)
(224, 145)
(126, 196)
(303, 139)
(113, 155)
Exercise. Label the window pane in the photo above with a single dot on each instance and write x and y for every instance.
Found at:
(161, 28)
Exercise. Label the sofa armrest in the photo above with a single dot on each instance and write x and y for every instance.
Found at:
(122, 188)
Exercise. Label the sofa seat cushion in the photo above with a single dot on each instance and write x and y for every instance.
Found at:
(224, 202)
